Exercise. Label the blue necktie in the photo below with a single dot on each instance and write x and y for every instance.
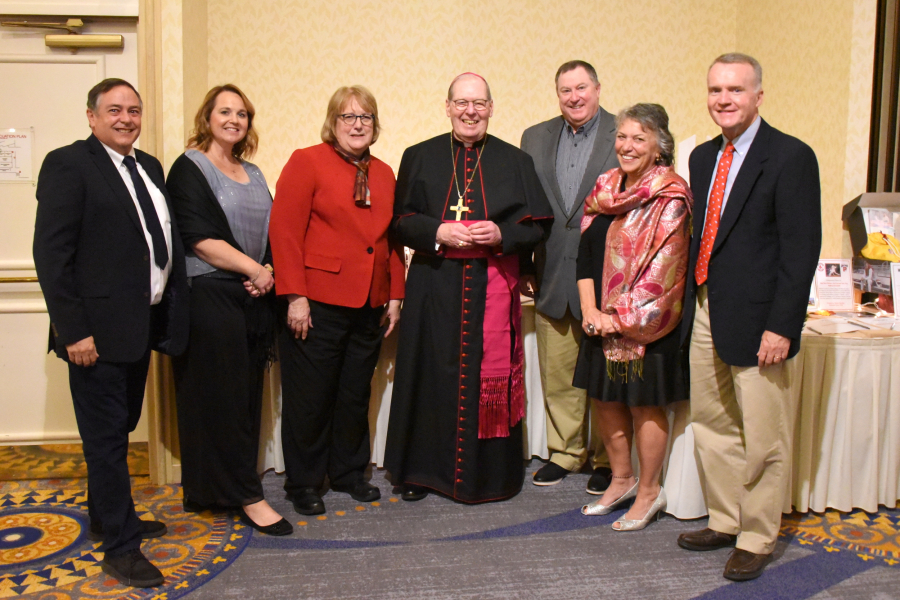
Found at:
(151, 219)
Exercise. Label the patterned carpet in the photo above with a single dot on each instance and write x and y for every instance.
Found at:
(536, 545)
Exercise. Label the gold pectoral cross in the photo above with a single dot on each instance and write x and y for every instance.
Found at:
(459, 209)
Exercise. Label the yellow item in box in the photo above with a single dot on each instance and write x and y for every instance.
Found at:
(882, 247)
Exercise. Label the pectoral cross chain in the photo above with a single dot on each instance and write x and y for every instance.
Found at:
(459, 209)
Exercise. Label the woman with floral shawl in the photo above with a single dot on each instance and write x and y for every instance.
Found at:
(631, 269)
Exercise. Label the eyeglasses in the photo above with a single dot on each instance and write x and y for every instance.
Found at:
(480, 105)
(350, 119)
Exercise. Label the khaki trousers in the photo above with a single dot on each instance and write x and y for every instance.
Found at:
(742, 419)
(567, 407)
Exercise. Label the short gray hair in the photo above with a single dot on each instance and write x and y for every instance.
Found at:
(460, 76)
(737, 58)
(652, 118)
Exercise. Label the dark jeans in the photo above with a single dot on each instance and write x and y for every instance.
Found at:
(326, 384)
(108, 398)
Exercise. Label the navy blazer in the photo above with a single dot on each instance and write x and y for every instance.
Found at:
(767, 247)
(93, 262)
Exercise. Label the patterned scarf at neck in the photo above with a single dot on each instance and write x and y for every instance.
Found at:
(361, 187)
(645, 264)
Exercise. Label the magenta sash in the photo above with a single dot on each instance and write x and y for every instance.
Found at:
(502, 399)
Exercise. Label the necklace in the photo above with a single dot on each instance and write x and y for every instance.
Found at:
(460, 207)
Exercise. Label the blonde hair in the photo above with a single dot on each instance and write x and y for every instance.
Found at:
(339, 99)
(201, 136)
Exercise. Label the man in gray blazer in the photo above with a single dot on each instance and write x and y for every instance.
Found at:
(569, 152)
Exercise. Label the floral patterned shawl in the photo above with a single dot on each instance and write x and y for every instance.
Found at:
(645, 264)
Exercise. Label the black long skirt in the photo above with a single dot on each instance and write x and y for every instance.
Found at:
(218, 387)
(664, 377)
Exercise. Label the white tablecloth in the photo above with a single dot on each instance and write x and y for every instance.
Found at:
(847, 435)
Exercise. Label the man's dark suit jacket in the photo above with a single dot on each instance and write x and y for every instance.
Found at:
(767, 247)
(93, 262)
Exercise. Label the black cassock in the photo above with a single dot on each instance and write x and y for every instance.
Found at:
(432, 437)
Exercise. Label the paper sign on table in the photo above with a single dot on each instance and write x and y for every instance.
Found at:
(834, 284)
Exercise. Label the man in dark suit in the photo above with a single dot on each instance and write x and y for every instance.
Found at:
(111, 267)
(757, 235)
(569, 152)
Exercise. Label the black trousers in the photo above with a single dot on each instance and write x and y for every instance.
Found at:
(108, 398)
(326, 381)
(218, 391)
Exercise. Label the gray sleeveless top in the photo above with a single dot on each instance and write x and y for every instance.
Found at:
(247, 207)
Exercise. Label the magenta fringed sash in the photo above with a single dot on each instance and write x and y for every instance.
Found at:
(501, 403)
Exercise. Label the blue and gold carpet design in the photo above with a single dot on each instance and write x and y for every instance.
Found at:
(45, 552)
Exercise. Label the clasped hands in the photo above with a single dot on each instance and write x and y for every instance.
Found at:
(261, 283)
(594, 322)
(457, 235)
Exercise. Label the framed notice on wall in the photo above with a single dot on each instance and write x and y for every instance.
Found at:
(16, 161)
(834, 284)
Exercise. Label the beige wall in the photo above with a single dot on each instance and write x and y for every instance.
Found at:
(290, 56)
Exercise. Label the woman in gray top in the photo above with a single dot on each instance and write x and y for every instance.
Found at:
(222, 205)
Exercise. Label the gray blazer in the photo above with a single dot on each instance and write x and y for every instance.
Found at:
(554, 259)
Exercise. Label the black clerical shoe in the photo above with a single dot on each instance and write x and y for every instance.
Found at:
(308, 502)
(282, 527)
(132, 568)
(411, 492)
(189, 506)
(743, 565)
(599, 481)
(148, 529)
(360, 491)
(549, 474)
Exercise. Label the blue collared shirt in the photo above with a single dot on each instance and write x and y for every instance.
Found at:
(741, 147)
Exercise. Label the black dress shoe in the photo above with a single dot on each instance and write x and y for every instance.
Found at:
(132, 568)
(599, 481)
(148, 529)
(190, 506)
(550, 474)
(744, 566)
(706, 539)
(308, 502)
(411, 492)
(282, 527)
(360, 491)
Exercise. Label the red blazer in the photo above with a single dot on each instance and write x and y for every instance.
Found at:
(324, 246)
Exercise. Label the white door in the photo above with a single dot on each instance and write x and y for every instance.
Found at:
(44, 94)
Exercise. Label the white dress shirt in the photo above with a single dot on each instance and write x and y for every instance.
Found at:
(158, 277)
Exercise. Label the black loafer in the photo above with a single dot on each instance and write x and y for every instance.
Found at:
(148, 529)
(411, 493)
(360, 491)
(599, 481)
(132, 569)
(549, 474)
(282, 527)
(308, 502)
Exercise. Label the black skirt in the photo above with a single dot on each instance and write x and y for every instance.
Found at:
(664, 378)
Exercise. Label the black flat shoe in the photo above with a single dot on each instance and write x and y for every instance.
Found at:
(190, 506)
(308, 502)
(282, 527)
(147, 529)
(599, 481)
(359, 491)
(549, 474)
(412, 493)
(132, 569)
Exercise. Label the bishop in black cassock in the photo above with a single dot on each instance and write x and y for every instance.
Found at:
(468, 204)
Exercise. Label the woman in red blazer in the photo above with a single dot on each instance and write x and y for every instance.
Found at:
(343, 279)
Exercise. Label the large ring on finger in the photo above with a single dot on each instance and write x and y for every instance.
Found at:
(591, 329)
(460, 244)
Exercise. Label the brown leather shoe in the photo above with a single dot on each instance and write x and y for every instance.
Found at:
(706, 539)
(744, 566)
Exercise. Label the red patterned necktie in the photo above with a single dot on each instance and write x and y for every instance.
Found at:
(713, 214)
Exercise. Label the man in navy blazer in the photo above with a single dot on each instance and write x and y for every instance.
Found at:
(751, 265)
(111, 267)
